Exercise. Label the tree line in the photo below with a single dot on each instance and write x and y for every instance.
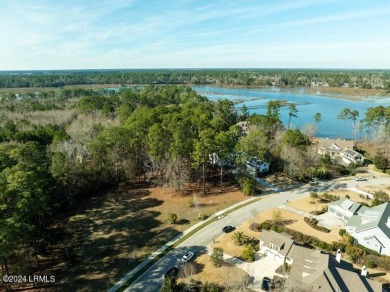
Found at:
(379, 79)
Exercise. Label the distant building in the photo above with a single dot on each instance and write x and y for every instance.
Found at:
(262, 166)
(340, 149)
(350, 156)
(333, 147)
(244, 127)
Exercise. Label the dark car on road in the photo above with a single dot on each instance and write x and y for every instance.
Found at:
(266, 284)
(228, 229)
(172, 272)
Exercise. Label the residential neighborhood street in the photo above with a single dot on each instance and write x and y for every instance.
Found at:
(152, 279)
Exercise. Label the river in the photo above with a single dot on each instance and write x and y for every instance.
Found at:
(328, 106)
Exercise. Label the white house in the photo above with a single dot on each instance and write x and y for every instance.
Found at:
(333, 147)
(350, 156)
(262, 166)
(345, 208)
(277, 246)
(371, 228)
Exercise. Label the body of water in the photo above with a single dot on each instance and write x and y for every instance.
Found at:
(329, 107)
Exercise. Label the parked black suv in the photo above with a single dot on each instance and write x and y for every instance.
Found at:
(228, 229)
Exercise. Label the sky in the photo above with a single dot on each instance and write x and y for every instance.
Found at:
(132, 34)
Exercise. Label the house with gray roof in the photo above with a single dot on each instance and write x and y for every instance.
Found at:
(371, 228)
(351, 156)
(340, 149)
(277, 246)
(345, 208)
(313, 270)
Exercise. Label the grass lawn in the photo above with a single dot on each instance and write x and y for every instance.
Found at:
(112, 232)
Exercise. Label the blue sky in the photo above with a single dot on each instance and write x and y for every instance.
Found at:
(76, 34)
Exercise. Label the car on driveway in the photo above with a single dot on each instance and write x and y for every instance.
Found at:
(359, 178)
(266, 284)
(228, 229)
(187, 257)
(172, 272)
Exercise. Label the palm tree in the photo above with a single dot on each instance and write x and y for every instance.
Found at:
(293, 112)
(239, 238)
(344, 115)
(353, 115)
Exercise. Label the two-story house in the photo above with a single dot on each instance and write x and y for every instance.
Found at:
(276, 245)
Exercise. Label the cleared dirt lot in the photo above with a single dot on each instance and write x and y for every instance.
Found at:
(113, 231)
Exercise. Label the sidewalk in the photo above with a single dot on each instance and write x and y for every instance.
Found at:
(122, 281)
(296, 211)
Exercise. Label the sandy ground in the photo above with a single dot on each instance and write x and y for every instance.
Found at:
(204, 270)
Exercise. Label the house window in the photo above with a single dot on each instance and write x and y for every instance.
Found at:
(273, 246)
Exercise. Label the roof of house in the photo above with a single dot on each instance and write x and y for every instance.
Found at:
(282, 240)
(341, 144)
(347, 205)
(352, 152)
(372, 217)
(314, 270)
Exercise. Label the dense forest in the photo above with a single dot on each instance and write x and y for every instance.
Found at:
(56, 149)
(379, 79)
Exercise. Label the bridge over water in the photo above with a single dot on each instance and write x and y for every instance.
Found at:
(261, 106)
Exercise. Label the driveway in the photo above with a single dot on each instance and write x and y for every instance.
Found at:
(263, 266)
(330, 221)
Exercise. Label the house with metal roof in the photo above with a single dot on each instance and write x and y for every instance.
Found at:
(371, 228)
(345, 208)
(313, 270)
(351, 156)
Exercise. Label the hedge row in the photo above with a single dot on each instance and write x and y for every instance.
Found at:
(313, 223)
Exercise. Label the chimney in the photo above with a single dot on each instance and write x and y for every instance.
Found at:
(338, 255)
(364, 271)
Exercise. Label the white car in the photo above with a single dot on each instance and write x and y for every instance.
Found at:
(187, 257)
(359, 178)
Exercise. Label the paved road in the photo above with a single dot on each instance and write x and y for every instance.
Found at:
(152, 279)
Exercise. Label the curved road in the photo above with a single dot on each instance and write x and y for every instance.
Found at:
(152, 279)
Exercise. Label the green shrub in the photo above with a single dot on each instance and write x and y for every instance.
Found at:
(190, 202)
(172, 218)
(370, 263)
(217, 257)
(342, 232)
(347, 196)
(350, 240)
(265, 226)
(248, 253)
(277, 228)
